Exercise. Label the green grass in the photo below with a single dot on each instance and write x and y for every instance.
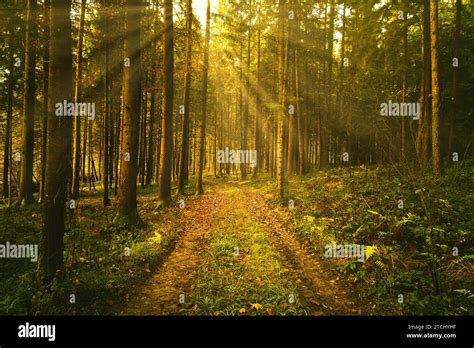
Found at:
(414, 245)
(97, 270)
(250, 282)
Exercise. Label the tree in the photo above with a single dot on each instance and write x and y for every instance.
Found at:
(281, 101)
(60, 89)
(202, 136)
(26, 181)
(127, 197)
(168, 97)
(245, 124)
(107, 116)
(77, 99)
(435, 102)
(423, 137)
(257, 125)
(455, 77)
(8, 129)
(44, 128)
(183, 172)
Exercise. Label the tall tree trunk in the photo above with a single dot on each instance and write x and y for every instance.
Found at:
(281, 100)
(247, 97)
(127, 200)
(299, 116)
(424, 123)
(8, 129)
(183, 172)
(84, 152)
(60, 89)
(143, 147)
(26, 180)
(44, 126)
(167, 123)
(455, 88)
(199, 185)
(257, 130)
(77, 99)
(405, 83)
(151, 134)
(436, 117)
(107, 115)
(327, 117)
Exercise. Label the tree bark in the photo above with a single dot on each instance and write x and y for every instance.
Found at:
(77, 99)
(455, 88)
(435, 102)
(183, 172)
(8, 128)
(26, 180)
(127, 198)
(202, 136)
(281, 100)
(60, 89)
(167, 123)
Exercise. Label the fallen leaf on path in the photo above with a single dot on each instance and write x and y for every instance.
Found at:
(242, 310)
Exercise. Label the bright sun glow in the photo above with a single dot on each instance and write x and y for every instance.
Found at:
(200, 7)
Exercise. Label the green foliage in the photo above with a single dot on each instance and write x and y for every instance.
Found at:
(414, 245)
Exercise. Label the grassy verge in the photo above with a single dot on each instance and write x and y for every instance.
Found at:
(416, 223)
(243, 274)
(102, 261)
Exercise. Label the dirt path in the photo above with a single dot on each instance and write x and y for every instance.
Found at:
(315, 283)
(237, 214)
(160, 295)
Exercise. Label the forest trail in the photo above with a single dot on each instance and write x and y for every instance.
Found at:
(235, 256)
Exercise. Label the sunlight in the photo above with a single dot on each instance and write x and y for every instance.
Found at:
(199, 8)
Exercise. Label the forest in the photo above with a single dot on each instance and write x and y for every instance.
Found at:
(237, 157)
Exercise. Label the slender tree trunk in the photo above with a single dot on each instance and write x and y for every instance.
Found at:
(325, 131)
(60, 89)
(247, 97)
(183, 172)
(405, 85)
(168, 97)
(26, 180)
(199, 184)
(84, 152)
(77, 99)
(257, 130)
(299, 117)
(281, 100)
(8, 129)
(151, 134)
(424, 123)
(107, 115)
(44, 127)
(455, 88)
(127, 206)
(143, 134)
(436, 117)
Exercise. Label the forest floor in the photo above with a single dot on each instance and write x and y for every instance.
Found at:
(239, 250)
(235, 256)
